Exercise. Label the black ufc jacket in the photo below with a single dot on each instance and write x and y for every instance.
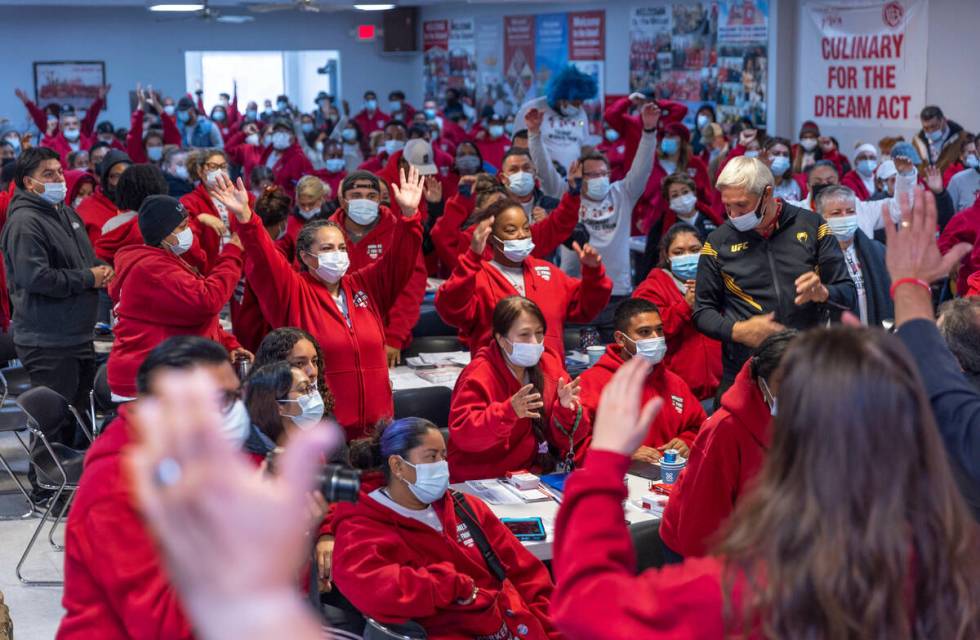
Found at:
(741, 275)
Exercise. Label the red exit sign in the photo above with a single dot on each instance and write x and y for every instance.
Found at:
(366, 32)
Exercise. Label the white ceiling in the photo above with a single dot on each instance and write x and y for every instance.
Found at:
(243, 3)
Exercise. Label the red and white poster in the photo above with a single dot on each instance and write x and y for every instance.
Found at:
(435, 56)
(864, 63)
(519, 55)
(587, 35)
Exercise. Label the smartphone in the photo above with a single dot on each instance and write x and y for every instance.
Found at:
(526, 529)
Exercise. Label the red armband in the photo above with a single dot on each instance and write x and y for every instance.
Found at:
(916, 281)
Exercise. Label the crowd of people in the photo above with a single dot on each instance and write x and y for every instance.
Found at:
(260, 271)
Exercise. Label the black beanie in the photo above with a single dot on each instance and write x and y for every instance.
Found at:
(158, 217)
(111, 159)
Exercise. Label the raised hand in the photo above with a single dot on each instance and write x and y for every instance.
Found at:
(234, 196)
(538, 214)
(409, 194)
(23, 96)
(568, 394)
(533, 119)
(621, 423)
(637, 98)
(746, 136)
(912, 249)
(575, 174)
(213, 222)
(140, 97)
(650, 113)
(934, 179)
(479, 242)
(526, 402)
(104, 91)
(587, 255)
(433, 189)
(690, 292)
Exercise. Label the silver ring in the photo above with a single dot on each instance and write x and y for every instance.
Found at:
(167, 473)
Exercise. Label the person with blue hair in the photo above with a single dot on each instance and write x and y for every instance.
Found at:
(566, 124)
(414, 556)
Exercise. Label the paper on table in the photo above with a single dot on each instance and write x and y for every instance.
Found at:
(492, 492)
(527, 495)
(446, 357)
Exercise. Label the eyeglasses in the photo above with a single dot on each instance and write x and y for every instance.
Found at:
(210, 166)
(600, 174)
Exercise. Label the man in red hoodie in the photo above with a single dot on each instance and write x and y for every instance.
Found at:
(115, 582)
(285, 157)
(69, 133)
(640, 331)
(100, 207)
(370, 118)
(726, 456)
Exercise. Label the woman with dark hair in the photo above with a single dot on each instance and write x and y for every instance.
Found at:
(280, 399)
(406, 553)
(776, 155)
(690, 354)
(869, 550)
(300, 350)
(511, 408)
(727, 454)
(704, 116)
(482, 278)
(344, 311)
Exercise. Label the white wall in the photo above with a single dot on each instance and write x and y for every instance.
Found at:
(136, 48)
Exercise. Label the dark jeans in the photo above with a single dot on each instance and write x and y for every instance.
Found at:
(68, 370)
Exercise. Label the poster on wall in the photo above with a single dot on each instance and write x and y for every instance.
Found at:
(490, 85)
(587, 51)
(519, 56)
(68, 83)
(462, 54)
(550, 48)
(712, 52)
(435, 56)
(867, 62)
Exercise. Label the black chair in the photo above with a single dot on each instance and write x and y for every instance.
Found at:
(432, 344)
(646, 541)
(430, 324)
(100, 397)
(384, 631)
(15, 381)
(431, 403)
(58, 467)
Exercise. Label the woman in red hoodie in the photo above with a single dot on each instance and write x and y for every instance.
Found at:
(726, 456)
(406, 555)
(344, 311)
(285, 157)
(892, 547)
(690, 354)
(158, 295)
(511, 409)
(467, 300)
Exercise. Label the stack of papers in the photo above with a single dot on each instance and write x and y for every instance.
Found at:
(458, 358)
(500, 492)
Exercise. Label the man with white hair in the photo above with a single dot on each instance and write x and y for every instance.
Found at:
(863, 256)
(772, 265)
(861, 179)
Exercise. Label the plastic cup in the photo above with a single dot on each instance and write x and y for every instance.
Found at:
(594, 353)
(671, 466)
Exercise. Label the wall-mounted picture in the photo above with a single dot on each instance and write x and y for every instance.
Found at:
(75, 83)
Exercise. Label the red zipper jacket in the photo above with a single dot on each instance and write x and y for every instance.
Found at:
(199, 201)
(487, 439)
(356, 369)
(134, 139)
(395, 569)
(963, 227)
(115, 583)
(693, 356)
(630, 127)
(371, 122)
(681, 416)
(245, 155)
(599, 595)
(95, 210)
(727, 455)
(291, 165)
(404, 313)
(158, 295)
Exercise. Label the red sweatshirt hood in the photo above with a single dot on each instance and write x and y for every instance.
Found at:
(744, 402)
(390, 172)
(74, 179)
(145, 256)
(367, 507)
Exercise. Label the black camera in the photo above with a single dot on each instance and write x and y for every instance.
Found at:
(339, 483)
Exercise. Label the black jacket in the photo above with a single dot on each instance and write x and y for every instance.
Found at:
(741, 275)
(48, 258)
(877, 282)
(178, 187)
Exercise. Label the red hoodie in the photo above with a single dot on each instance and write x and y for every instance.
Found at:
(95, 211)
(727, 455)
(395, 569)
(334, 180)
(74, 179)
(86, 135)
(123, 231)
(630, 127)
(371, 122)
(693, 356)
(115, 583)
(598, 590)
(291, 165)
(356, 369)
(245, 155)
(652, 202)
(964, 227)
(404, 313)
(135, 147)
(199, 201)
(158, 295)
(681, 416)
(487, 439)
(853, 181)
(466, 301)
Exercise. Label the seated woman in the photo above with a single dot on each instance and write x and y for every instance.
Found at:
(280, 399)
(158, 295)
(690, 354)
(511, 408)
(300, 350)
(343, 311)
(407, 551)
(467, 300)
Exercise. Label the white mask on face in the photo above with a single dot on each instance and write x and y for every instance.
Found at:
(517, 250)
(72, 134)
(306, 214)
(332, 265)
(212, 177)
(54, 192)
(525, 354)
(311, 406)
(431, 480)
(236, 424)
(808, 144)
(362, 211)
(252, 139)
(652, 350)
(394, 146)
(280, 140)
(597, 188)
(683, 205)
(185, 239)
(520, 183)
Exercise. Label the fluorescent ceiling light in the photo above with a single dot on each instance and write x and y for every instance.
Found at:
(177, 8)
(374, 7)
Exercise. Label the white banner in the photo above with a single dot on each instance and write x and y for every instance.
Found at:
(864, 63)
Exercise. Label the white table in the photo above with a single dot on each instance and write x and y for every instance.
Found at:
(548, 511)
(404, 377)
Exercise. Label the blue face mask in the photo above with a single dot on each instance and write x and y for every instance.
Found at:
(972, 161)
(612, 135)
(430, 114)
(218, 116)
(335, 164)
(670, 145)
(184, 116)
(779, 165)
(866, 167)
(282, 106)
(307, 127)
(685, 267)
(370, 105)
(251, 114)
(936, 136)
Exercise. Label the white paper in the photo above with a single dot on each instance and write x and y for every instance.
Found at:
(492, 492)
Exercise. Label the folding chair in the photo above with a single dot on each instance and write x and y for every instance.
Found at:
(58, 467)
(11, 420)
(100, 399)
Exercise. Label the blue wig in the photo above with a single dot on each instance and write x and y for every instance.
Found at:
(571, 84)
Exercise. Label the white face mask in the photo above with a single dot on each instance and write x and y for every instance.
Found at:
(280, 140)
(517, 250)
(185, 239)
(652, 350)
(597, 188)
(170, 109)
(808, 144)
(311, 406)
(394, 146)
(520, 183)
(72, 134)
(431, 480)
(332, 265)
(683, 205)
(181, 172)
(362, 211)
(570, 111)
(54, 192)
(525, 354)
(212, 176)
(236, 424)
(252, 139)
(306, 214)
